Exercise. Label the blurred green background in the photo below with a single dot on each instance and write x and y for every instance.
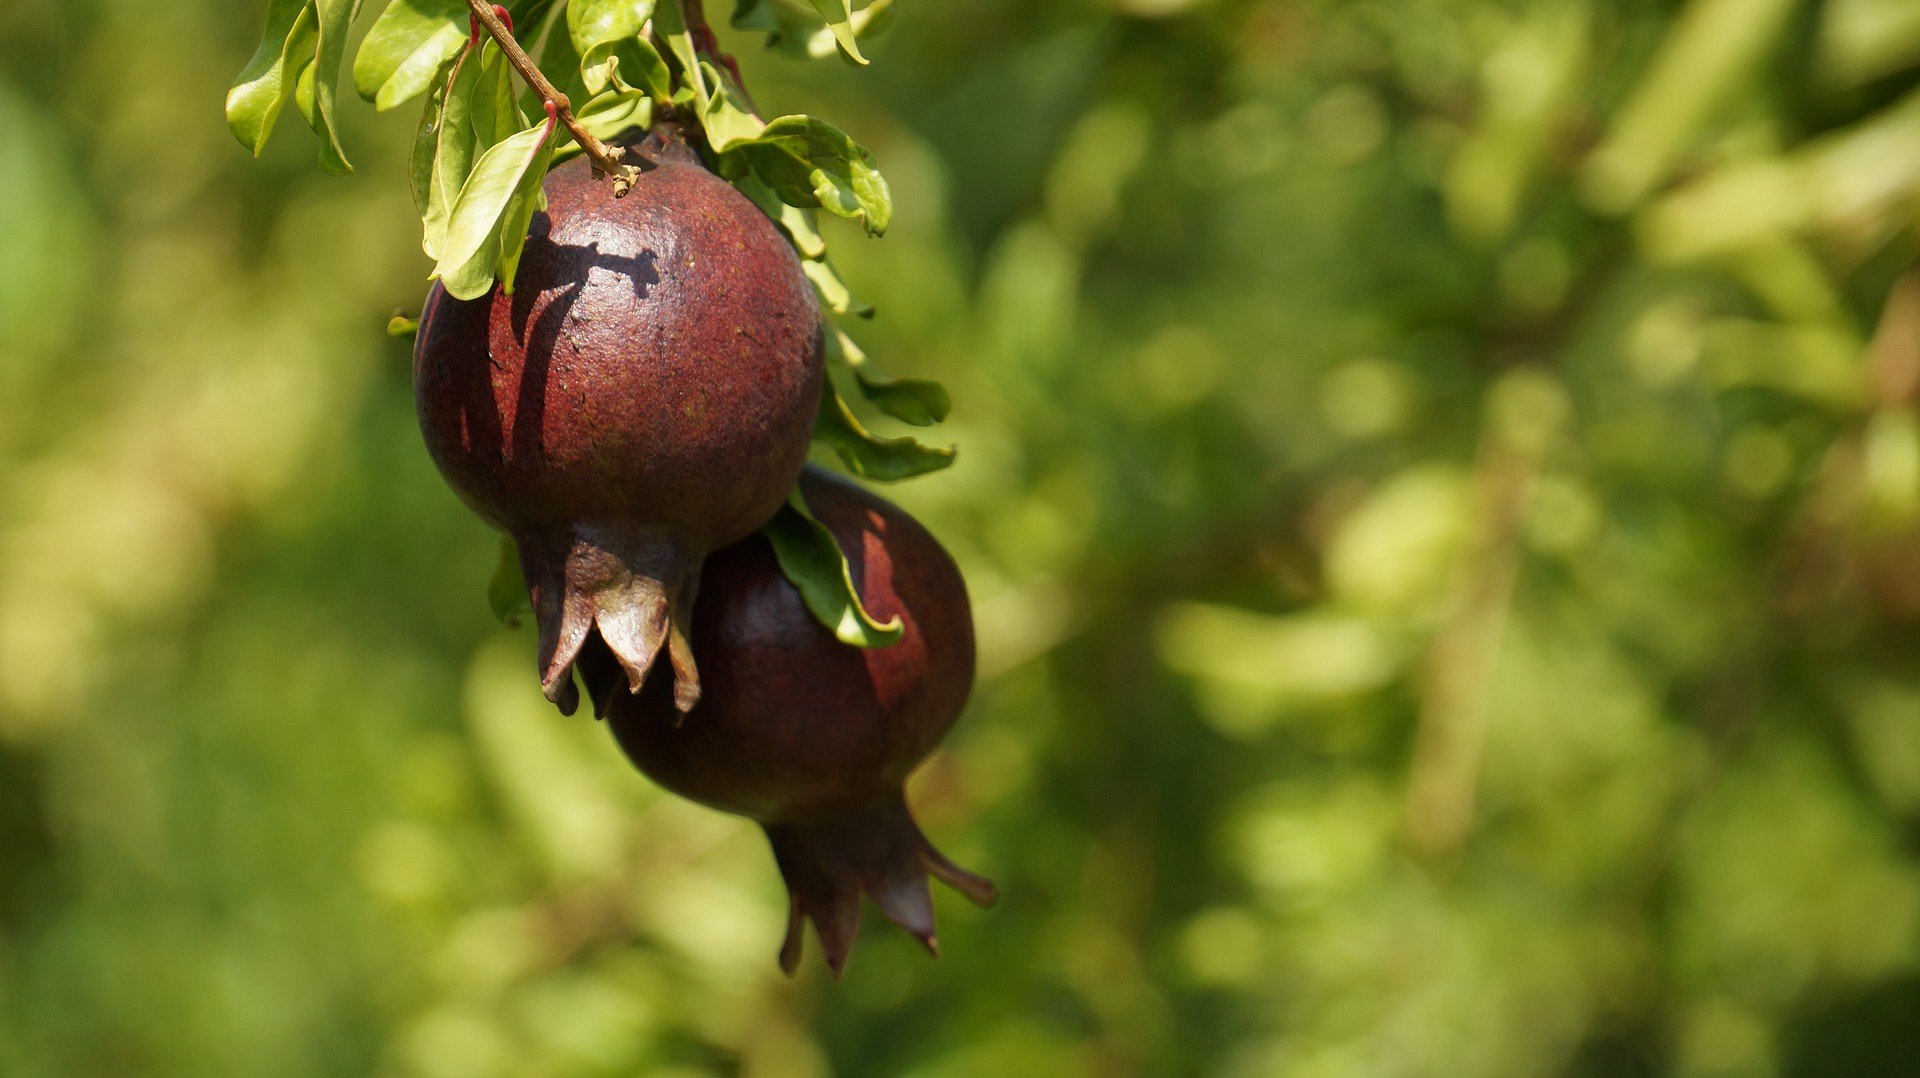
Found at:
(1440, 482)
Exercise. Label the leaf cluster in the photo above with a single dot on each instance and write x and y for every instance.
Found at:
(480, 152)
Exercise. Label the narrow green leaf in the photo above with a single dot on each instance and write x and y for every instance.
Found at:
(812, 561)
(334, 18)
(834, 291)
(868, 455)
(507, 589)
(495, 111)
(838, 15)
(402, 326)
(810, 162)
(919, 401)
(528, 199)
(261, 89)
(426, 144)
(472, 252)
(672, 28)
(454, 151)
(408, 45)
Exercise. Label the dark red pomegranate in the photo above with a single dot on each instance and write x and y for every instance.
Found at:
(644, 396)
(812, 738)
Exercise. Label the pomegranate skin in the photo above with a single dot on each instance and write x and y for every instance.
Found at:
(645, 395)
(809, 736)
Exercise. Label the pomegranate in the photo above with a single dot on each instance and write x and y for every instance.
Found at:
(808, 736)
(644, 395)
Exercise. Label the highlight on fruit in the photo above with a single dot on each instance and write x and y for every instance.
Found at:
(632, 336)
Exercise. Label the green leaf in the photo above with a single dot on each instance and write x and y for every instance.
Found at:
(638, 65)
(919, 401)
(261, 89)
(809, 162)
(333, 19)
(725, 115)
(834, 291)
(426, 145)
(798, 223)
(598, 27)
(812, 561)
(607, 116)
(402, 326)
(454, 151)
(669, 24)
(495, 111)
(504, 188)
(408, 46)
(793, 27)
(838, 15)
(868, 455)
(507, 589)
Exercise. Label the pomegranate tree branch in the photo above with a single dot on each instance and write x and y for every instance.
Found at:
(606, 159)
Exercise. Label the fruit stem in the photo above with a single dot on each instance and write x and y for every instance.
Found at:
(606, 159)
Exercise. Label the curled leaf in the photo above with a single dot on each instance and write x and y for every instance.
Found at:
(809, 162)
(813, 562)
(919, 401)
(838, 15)
(261, 89)
(868, 455)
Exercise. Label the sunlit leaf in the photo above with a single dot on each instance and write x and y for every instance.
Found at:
(809, 162)
(671, 28)
(333, 19)
(494, 114)
(866, 454)
(402, 326)
(496, 196)
(454, 151)
(833, 291)
(607, 116)
(726, 117)
(812, 561)
(408, 45)
(838, 15)
(261, 89)
(597, 28)
(795, 28)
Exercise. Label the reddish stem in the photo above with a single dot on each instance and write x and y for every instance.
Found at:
(606, 159)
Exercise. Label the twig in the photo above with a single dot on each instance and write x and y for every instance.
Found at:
(606, 159)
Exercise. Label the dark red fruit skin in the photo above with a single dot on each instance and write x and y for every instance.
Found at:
(646, 394)
(810, 736)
